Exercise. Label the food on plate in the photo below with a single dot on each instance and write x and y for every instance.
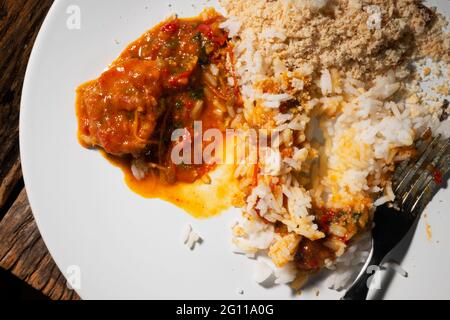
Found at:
(332, 90)
(339, 84)
(174, 75)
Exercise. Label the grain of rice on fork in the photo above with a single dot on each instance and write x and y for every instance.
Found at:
(333, 84)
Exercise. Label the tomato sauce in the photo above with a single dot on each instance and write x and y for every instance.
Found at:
(173, 75)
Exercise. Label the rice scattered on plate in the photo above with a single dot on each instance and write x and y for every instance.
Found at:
(190, 237)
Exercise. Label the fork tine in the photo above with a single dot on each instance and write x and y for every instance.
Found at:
(424, 171)
(424, 177)
(431, 187)
(424, 145)
(404, 166)
(412, 169)
(411, 204)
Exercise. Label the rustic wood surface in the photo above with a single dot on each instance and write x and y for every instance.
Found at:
(22, 250)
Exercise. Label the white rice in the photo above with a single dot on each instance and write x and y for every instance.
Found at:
(325, 82)
(262, 272)
(285, 274)
(190, 238)
(362, 126)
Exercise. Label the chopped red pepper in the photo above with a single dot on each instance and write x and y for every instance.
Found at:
(171, 27)
(324, 224)
(437, 175)
(313, 264)
(178, 80)
(207, 31)
(344, 239)
(189, 104)
(325, 218)
(219, 40)
(165, 72)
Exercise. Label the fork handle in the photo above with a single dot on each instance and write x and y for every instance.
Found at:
(360, 288)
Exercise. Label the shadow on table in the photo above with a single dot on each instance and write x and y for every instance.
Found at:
(12, 288)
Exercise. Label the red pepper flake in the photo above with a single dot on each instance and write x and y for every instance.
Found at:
(437, 175)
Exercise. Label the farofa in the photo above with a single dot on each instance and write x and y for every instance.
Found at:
(337, 35)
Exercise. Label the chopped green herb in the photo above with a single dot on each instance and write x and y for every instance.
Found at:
(172, 43)
(178, 124)
(197, 37)
(203, 58)
(197, 94)
(356, 216)
(162, 105)
(179, 104)
(184, 165)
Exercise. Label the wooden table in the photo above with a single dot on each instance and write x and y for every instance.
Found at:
(22, 250)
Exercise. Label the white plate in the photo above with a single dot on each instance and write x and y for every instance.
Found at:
(124, 246)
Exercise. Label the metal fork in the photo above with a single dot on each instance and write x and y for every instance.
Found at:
(415, 182)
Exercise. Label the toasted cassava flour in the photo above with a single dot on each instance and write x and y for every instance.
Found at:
(327, 34)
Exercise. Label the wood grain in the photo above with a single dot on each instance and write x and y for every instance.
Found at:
(19, 25)
(22, 250)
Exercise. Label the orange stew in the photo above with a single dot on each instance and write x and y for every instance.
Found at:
(173, 75)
